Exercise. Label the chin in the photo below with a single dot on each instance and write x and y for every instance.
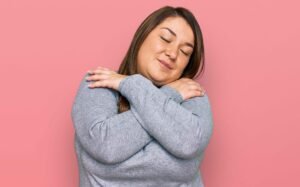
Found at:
(158, 79)
(158, 84)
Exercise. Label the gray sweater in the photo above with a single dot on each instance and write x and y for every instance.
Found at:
(159, 142)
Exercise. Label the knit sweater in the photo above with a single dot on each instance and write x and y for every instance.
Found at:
(159, 142)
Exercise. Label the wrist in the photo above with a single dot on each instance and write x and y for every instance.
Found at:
(120, 80)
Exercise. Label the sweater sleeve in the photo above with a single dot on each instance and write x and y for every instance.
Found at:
(107, 136)
(182, 129)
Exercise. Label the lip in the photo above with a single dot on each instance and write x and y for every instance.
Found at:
(165, 64)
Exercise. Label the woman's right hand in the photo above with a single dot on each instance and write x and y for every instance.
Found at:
(188, 88)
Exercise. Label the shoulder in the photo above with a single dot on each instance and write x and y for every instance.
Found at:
(84, 89)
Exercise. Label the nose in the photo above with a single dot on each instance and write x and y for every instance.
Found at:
(171, 52)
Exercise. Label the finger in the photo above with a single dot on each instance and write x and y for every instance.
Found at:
(97, 77)
(90, 72)
(201, 90)
(199, 86)
(98, 84)
(195, 87)
(194, 93)
(199, 93)
(102, 71)
(100, 67)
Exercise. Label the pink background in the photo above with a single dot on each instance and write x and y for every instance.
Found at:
(252, 61)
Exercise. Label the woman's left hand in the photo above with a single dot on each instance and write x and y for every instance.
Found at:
(104, 77)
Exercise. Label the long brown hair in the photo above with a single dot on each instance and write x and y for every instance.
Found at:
(196, 63)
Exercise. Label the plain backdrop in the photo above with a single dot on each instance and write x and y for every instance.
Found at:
(251, 78)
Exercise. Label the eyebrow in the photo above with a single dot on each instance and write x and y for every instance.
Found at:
(172, 32)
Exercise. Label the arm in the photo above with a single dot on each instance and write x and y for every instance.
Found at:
(184, 130)
(107, 136)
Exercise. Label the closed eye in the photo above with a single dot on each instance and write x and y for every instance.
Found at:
(170, 41)
(184, 53)
(165, 39)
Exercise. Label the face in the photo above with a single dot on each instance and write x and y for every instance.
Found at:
(166, 51)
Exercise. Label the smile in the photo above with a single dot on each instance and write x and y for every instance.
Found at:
(165, 65)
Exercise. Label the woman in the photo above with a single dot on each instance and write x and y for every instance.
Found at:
(149, 123)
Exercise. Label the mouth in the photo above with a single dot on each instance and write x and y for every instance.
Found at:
(165, 64)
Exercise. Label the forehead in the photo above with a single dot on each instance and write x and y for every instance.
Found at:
(179, 26)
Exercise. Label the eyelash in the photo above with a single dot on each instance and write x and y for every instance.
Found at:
(169, 42)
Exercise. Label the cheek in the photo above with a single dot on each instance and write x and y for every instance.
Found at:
(183, 63)
(180, 68)
(154, 47)
(142, 62)
(148, 54)
(140, 65)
